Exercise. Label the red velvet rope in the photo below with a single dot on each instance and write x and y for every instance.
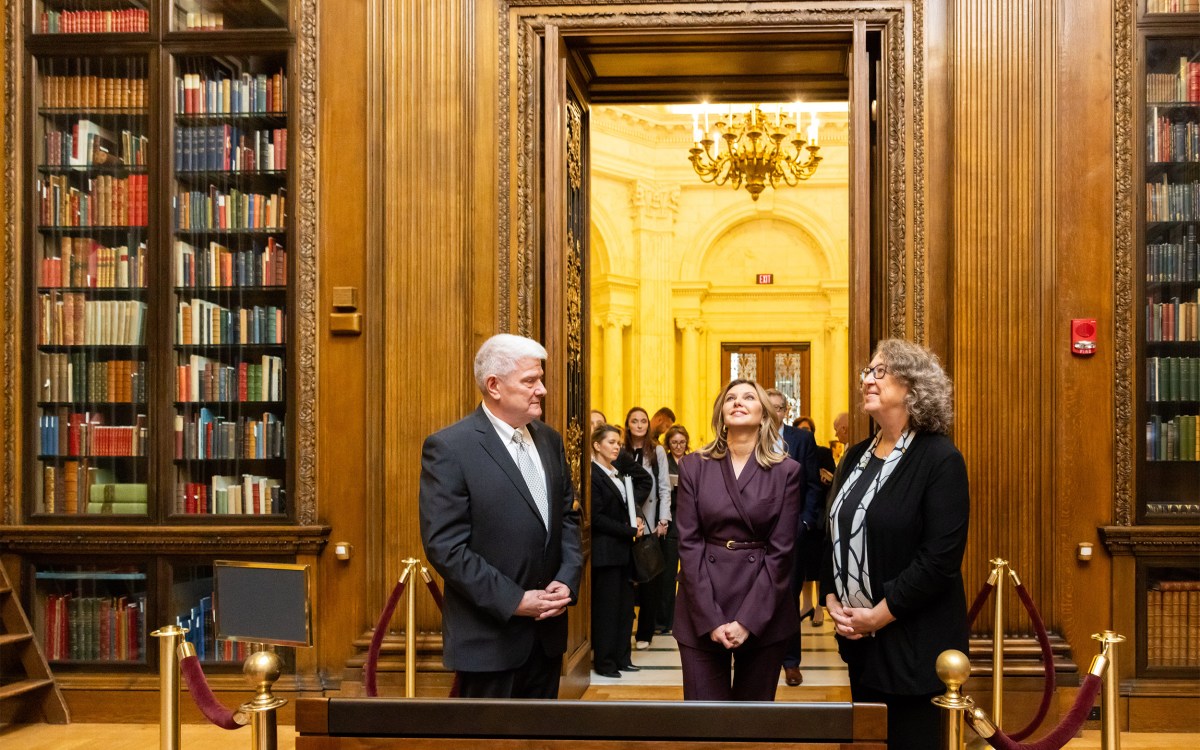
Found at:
(1039, 627)
(208, 704)
(1066, 729)
(1043, 638)
(980, 599)
(377, 639)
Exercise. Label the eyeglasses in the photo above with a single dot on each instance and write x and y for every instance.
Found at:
(877, 372)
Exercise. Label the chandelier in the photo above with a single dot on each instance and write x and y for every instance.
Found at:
(754, 149)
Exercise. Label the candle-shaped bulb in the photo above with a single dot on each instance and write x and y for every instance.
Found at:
(812, 130)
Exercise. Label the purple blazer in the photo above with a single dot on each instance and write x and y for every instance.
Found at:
(719, 585)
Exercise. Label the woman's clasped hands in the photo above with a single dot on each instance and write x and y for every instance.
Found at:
(730, 635)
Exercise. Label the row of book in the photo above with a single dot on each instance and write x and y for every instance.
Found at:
(128, 20)
(1173, 6)
(78, 377)
(207, 436)
(67, 433)
(93, 628)
(1174, 261)
(215, 210)
(249, 495)
(1173, 624)
(218, 266)
(1176, 439)
(93, 92)
(84, 262)
(1170, 140)
(226, 148)
(71, 319)
(203, 21)
(77, 486)
(1173, 320)
(89, 144)
(1180, 85)
(217, 93)
(1172, 201)
(105, 201)
(200, 622)
(199, 323)
(1173, 378)
(205, 379)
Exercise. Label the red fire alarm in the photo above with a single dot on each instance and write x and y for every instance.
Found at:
(1083, 336)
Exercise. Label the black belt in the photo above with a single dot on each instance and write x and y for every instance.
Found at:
(738, 545)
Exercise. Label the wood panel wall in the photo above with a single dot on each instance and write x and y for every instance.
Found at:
(438, 244)
(1030, 191)
(1018, 193)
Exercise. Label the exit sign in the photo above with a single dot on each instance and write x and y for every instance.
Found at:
(766, 278)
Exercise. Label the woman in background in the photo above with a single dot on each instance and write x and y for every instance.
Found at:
(676, 440)
(656, 510)
(615, 524)
(812, 540)
(739, 499)
(892, 571)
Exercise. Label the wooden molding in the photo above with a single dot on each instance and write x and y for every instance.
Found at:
(134, 540)
(1124, 310)
(517, 263)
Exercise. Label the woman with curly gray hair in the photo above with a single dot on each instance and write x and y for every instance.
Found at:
(891, 574)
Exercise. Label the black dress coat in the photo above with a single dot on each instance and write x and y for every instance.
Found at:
(612, 536)
(916, 531)
(719, 585)
(483, 534)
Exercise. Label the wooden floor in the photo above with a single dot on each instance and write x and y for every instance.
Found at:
(205, 737)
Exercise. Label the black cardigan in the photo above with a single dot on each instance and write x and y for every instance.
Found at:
(916, 534)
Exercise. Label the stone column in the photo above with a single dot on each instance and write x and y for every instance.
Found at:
(654, 208)
(837, 373)
(691, 409)
(614, 372)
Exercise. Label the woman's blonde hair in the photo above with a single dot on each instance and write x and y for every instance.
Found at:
(766, 448)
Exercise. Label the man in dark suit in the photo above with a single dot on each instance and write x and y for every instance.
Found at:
(802, 447)
(499, 523)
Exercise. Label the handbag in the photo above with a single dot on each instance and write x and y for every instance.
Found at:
(648, 560)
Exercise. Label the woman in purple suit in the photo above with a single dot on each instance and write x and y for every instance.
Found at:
(738, 501)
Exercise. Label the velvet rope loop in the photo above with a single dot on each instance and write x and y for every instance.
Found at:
(377, 639)
(202, 694)
(1066, 729)
(1043, 638)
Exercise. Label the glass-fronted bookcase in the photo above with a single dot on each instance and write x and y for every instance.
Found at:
(158, 227)
(1157, 543)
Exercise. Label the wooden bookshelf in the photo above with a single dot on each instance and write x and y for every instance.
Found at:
(1157, 548)
(158, 222)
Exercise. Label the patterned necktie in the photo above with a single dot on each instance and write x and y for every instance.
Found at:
(533, 477)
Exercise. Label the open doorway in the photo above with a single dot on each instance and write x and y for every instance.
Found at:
(565, 282)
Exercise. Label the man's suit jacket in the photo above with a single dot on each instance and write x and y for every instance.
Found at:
(719, 585)
(802, 447)
(612, 536)
(483, 533)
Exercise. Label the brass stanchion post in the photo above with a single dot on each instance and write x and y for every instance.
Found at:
(263, 669)
(1110, 726)
(168, 685)
(953, 668)
(410, 632)
(998, 566)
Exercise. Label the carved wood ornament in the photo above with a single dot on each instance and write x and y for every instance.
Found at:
(902, 23)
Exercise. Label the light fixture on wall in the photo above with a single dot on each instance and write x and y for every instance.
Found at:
(754, 148)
